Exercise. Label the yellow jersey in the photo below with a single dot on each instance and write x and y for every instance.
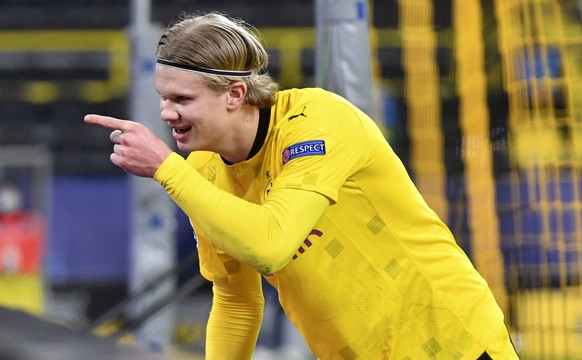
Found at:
(380, 276)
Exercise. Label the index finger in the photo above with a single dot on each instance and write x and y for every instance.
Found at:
(108, 122)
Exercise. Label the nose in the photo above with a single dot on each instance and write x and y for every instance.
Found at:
(167, 111)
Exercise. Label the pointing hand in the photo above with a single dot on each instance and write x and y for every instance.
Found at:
(136, 149)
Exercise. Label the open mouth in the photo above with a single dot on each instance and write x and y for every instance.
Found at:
(182, 130)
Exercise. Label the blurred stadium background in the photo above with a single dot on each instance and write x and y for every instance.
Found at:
(482, 99)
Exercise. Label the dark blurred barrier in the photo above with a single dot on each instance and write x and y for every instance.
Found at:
(25, 337)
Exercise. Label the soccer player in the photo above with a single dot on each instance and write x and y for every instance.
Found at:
(301, 187)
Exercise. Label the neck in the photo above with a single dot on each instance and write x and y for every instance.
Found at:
(244, 137)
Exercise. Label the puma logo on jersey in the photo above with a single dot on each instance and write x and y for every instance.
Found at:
(298, 115)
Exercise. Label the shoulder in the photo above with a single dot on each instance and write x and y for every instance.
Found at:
(200, 159)
(207, 163)
(317, 109)
(294, 98)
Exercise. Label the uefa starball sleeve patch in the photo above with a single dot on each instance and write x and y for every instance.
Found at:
(305, 148)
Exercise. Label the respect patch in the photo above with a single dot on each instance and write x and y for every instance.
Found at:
(305, 148)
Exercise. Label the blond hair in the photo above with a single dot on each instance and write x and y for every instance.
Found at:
(216, 41)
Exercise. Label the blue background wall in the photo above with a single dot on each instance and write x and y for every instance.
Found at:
(88, 229)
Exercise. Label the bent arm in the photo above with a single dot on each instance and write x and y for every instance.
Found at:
(235, 319)
(264, 237)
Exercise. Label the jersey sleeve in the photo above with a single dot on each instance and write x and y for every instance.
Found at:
(235, 318)
(238, 227)
(217, 265)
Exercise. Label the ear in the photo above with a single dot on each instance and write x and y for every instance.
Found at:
(236, 94)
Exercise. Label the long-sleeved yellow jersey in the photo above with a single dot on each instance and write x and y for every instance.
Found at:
(374, 274)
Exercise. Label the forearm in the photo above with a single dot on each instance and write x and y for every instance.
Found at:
(235, 319)
(238, 226)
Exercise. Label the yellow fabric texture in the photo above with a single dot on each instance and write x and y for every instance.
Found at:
(284, 219)
(235, 319)
(372, 272)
